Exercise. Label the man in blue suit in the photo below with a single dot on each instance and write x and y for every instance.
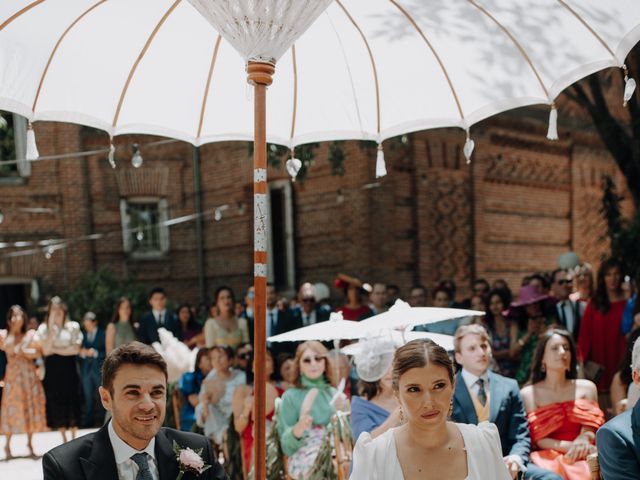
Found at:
(481, 395)
(618, 440)
(158, 317)
(92, 356)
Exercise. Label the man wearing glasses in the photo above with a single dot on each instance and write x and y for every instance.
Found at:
(567, 311)
(307, 313)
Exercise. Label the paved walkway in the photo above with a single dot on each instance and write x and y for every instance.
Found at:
(22, 466)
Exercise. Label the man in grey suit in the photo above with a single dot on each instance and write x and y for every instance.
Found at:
(133, 446)
(618, 440)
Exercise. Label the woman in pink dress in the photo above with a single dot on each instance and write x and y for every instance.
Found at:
(23, 404)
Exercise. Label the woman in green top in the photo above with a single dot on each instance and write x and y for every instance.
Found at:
(307, 408)
(120, 330)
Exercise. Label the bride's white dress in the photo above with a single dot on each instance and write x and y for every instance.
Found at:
(376, 459)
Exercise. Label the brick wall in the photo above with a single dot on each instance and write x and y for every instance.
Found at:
(521, 203)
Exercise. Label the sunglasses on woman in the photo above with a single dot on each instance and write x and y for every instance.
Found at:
(316, 359)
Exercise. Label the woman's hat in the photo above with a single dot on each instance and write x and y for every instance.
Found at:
(528, 295)
(343, 281)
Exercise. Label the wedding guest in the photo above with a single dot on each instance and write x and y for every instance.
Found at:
(624, 392)
(244, 354)
(618, 440)
(563, 410)
(288, 371)
(375, 409)
(92, 353)
(528, 322)
(423, 381)
(190, 329)
(242, 407)
(601, 342)
(120, 330)
(481, 395)
(189, 386)
(23, 403)
(214, 408)
(225, 328)
(158, 317)
(500, 331)
(583, 284)
(307, 408)
(61, 339)
(133, 445)
(354, 307)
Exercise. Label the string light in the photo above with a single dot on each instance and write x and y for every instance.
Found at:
(136, 160)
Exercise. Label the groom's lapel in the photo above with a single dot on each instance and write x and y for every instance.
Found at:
(167, 463)
(101, 462)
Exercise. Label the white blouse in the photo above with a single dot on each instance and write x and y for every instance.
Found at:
(67, 336)
(377, 459)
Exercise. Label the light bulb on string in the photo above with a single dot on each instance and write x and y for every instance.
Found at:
(48, 253)
(136, 159)
(217, 215)
(140, 235)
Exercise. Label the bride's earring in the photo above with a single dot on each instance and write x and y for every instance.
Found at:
(401, 415)
(451, 408)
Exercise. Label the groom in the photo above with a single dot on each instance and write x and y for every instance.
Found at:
(132, 446)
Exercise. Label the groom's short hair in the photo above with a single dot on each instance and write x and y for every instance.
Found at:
(133, 353)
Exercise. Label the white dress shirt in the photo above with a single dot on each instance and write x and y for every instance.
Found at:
(567, 312)
(273, 313)
(127, 468)
(308, 318)
(158, 315)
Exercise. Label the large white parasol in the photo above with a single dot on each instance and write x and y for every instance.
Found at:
(360, 70)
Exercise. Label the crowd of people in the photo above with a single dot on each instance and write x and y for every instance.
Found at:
(545, 366)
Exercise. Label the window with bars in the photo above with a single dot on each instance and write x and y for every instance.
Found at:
(13, 146)
(144, 233)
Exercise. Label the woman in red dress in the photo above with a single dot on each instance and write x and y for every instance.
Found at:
(601, 340)
(563, 410)
(353, 289)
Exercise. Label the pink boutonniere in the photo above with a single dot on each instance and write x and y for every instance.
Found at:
(189, 460)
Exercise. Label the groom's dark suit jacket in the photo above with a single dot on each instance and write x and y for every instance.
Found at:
(91, 457)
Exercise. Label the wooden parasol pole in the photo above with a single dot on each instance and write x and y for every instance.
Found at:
(260, 75)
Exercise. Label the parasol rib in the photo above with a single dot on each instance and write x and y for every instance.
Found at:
(373, 62)
(139, 59)
(590, 28)
(55, 49)
(435, 54)
(517, 44)
(19, 13)
(208, 84)
(295, 96)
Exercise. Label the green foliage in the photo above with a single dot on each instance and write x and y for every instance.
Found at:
(336, 158)
(623, 234)
(7, 142)
(99, 291)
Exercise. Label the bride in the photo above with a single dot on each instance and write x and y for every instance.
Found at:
(427, 446)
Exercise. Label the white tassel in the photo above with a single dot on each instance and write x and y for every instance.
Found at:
(629, 88)
(469, 145)
(552, 133)
(112, 155)
(32, 147)
(293, 167)
(381, 167)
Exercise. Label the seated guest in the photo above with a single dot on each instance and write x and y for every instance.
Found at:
(306, 409)
(624, 392)
(242, 406)
(427, 443)
(191, 330)
(482, 395)
(307, 312)
(563, 410)
(92, 353)
(189, 386)
(244, 355)
(619, 439)
(214, 409)
(376, 410)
